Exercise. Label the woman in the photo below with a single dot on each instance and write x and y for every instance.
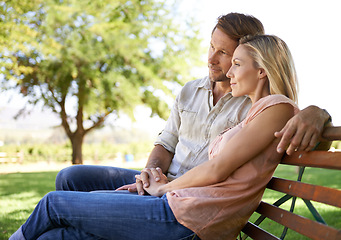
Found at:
(226, 190)
(213, 200)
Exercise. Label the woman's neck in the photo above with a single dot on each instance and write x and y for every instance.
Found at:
(261, 91)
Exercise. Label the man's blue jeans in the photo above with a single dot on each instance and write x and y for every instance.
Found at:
(87, 178)
(98, 215)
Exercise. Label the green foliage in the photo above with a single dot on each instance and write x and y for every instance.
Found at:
(110, 55)
(99, 57)
(92, 152)
(336, 144)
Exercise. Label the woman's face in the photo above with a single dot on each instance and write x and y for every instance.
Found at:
(244, 76)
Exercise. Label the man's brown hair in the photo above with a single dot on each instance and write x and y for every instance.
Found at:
(237, 25)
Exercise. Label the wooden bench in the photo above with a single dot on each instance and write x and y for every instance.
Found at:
(313, 229)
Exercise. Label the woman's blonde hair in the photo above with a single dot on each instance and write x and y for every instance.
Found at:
(273, 55)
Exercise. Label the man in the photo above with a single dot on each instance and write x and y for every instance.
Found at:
(202, 110)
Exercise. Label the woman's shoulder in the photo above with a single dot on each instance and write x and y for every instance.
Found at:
(267, 102)
(273, 100)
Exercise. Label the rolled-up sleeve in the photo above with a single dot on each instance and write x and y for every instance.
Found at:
(169, 137)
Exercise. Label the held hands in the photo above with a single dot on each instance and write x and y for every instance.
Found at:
(151, 181)
(303, 131)
(143, 179)
(147, 177)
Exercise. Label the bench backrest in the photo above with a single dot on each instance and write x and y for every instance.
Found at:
(314, 229)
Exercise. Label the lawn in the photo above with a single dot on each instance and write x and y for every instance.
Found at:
(20, 192)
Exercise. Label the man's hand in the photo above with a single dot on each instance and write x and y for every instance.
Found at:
(159, 158)
(142, 180)
(154, 187)
(303, 131)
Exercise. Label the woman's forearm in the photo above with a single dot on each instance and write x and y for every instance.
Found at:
(199, 176)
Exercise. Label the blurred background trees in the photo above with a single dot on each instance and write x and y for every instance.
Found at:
(90, 59)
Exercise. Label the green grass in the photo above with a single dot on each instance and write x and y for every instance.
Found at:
(20, 192)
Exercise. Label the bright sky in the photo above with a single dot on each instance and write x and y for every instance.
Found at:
(310, 28)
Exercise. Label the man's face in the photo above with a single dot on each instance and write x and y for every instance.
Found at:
(220, 55)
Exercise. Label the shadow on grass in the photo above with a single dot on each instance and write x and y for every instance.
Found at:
(19, 194)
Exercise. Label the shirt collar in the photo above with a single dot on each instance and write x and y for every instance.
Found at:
(204, 83)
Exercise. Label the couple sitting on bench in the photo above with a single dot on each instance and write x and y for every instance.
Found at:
(181, 195)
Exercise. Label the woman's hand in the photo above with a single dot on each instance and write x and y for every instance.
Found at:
(155, 187)
(130, 187)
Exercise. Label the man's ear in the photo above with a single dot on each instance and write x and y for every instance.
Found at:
(261, 73)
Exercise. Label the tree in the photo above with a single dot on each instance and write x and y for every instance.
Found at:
(101, 57)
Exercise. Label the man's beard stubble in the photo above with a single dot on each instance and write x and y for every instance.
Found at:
(218, 78)
(221, 78)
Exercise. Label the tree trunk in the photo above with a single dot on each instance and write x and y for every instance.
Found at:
(77, 143)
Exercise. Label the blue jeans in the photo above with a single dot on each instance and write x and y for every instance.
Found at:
(76, 214)
(87, 178)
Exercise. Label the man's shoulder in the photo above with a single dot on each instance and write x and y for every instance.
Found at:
(193, 90)
(198, 83)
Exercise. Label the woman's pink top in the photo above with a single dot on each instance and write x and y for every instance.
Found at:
(221, 210)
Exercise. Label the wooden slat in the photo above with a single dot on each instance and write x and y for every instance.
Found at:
(257, 233)
(302, 225)
(332, 133)
(320, 159)
(306, 191)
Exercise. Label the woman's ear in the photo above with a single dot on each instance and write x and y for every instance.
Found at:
(261, 73)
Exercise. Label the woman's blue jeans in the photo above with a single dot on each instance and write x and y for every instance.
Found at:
(101, 215)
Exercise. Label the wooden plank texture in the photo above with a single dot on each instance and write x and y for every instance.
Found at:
(319, 159)
(257, 233)
(306, 191)
(302, 225)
